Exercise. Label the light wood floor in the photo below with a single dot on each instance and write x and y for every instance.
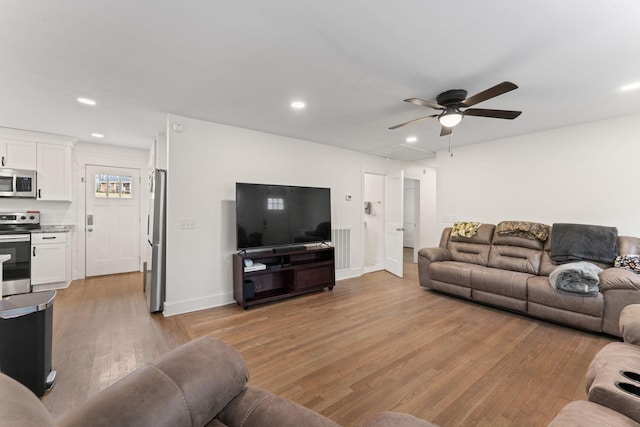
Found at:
(373, 343)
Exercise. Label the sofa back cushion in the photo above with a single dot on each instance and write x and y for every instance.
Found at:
(474, 249)
(188, 386)
(444, 238)
(628, 245)
(516, 253)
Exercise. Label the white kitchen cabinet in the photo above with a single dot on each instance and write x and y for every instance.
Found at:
(17, 154)
(54, 172)
(49, 261)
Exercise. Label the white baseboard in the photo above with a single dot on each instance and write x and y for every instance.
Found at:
(50, 286)
(195, 304)
(348, 273)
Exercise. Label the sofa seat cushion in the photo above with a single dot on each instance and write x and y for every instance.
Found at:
(501, 288)
(453, 272)
(511, 284)
(540, 291)
(581, 413)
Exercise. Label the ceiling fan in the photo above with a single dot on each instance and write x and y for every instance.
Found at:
(453, 101)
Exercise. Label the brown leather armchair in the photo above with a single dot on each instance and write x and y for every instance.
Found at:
(202, 383)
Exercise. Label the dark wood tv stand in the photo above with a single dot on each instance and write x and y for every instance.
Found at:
(288, 274)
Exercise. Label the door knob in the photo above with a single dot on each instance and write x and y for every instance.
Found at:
(90, 229)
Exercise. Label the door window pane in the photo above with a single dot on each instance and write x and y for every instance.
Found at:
(113, 186)
(125, 192)
(101, 185)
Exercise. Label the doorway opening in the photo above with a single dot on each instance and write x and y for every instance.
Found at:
(373, 213)
(411, 218)
(374, 221)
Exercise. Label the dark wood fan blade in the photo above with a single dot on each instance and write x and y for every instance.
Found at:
(492, 92)
(496, 114)
(423, 103)
(413, 121)
(445, 131)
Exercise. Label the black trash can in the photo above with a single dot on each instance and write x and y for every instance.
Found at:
(26, 327)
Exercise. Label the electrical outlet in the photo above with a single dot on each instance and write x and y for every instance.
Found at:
(187, 223)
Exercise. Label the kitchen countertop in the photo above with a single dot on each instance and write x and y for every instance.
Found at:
(54, 229)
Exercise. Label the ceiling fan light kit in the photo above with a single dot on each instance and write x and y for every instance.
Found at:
(453, 101)
(450, 118)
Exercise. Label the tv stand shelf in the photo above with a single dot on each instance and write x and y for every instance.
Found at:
(288, 274)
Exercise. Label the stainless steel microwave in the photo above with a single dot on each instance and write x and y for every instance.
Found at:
(17, 183)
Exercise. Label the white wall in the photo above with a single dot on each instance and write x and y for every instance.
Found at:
(580, 174)
(205, 161)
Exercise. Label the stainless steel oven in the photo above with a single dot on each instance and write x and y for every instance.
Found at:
(16, 273)
(15, 240)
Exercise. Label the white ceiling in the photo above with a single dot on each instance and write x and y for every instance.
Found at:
(353, 62)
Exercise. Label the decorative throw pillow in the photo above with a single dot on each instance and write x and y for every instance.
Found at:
(629, 262)
(526, 229)
(465, 228)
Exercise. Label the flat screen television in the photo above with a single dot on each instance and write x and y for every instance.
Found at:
(269, 216)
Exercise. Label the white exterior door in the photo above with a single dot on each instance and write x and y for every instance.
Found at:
(394, 219)
(112, 222)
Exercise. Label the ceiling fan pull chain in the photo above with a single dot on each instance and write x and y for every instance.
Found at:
(450, 153)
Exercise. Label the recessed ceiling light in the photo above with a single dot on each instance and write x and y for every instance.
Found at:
(86, 101)
(97, 135)
(631, 86)
(411, 139)
(298, 105)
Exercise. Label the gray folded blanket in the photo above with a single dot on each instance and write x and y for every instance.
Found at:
(576, 278)
(579, 242)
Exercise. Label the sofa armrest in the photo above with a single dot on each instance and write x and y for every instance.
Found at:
(435, 254)
(255, 407)
(187, 386)
(426, 256)
(630, 324)
(619, 278)
(19, 406)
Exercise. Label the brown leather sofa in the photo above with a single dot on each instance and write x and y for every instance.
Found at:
(612, 382)
(202, 383)
(512, 272)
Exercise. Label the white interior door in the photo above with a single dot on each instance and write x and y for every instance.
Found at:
(394, 219)
(112, 222)
(409, 222)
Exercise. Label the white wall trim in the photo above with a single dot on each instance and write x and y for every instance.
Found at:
(348, 273)
(196, 304)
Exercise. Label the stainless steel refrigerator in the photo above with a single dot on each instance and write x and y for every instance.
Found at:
(156, 236)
